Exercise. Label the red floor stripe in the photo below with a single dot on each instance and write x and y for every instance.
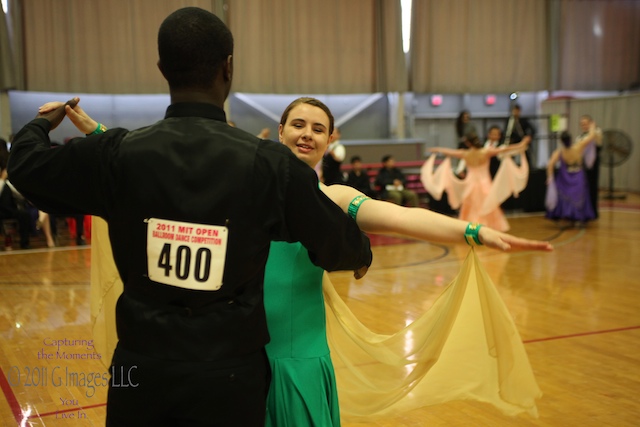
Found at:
(581, 334)
(11, 397)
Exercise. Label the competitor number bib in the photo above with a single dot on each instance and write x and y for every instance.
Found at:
(186, 255)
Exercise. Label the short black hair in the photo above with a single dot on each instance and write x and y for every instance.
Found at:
(386, 158)
(355, 159)
(192, 45)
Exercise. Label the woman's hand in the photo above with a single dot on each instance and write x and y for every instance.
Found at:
(508, 243)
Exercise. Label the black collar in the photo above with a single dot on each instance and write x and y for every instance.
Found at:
(196, 109)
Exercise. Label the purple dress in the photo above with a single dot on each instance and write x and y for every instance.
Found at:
(574, 202)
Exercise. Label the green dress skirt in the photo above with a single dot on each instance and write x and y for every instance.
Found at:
(303, 387)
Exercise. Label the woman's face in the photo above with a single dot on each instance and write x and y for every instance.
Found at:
(306, 133)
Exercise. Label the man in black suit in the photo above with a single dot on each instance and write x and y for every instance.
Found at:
(192, 206)
(517, 128)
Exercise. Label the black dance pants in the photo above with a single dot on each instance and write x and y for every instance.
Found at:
(144, 391)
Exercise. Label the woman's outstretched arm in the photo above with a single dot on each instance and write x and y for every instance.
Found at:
(458, 154)
(379, 217)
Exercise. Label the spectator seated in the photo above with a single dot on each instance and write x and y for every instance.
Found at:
(411, 170)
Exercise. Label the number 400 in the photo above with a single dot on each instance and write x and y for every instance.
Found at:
(202, 264)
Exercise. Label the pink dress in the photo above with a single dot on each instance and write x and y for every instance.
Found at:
(477, 197)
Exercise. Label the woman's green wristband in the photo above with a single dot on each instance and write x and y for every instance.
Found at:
(471, 234)
(100, 129)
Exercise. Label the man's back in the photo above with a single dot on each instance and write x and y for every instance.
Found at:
(197, 172)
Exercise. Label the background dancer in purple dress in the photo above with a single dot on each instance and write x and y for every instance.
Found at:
(568, 189)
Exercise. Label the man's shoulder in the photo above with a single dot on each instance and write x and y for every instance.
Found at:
(273, 151)
(276, 148)
(278, 154)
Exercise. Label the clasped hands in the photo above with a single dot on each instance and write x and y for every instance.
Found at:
(56, 110)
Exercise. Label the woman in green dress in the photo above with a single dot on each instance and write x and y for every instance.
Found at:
(303, 387)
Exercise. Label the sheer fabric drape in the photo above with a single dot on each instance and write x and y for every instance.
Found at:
(7, 68)
(318, 46)
(282, 46)
(80, 46)
(464, 347)
(333, 46)
(599, 44)
(470, 46)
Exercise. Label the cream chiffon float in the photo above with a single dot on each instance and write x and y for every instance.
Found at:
(466, 346)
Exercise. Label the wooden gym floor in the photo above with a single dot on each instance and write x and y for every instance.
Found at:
(576, 309)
